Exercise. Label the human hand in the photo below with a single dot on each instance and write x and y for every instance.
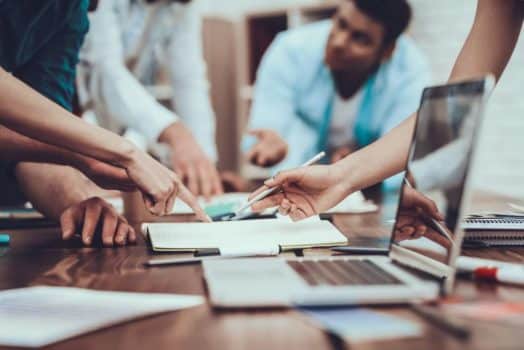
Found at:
(341, 153)
(419, 216)
(414, 200)
(304, 192)
(410, 225)
(85, 217)
(191, 163)
(270, 149)
(233, 182)
(160, 186)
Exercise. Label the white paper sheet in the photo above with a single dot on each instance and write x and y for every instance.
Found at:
(38, 316)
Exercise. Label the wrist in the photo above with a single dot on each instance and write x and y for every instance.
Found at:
(58, 187)
(174, 133)
(127, 154)
(343, 175)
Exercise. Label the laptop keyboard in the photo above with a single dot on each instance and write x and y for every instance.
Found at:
(341, 272)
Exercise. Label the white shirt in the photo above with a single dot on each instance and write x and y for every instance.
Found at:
(174, 41)
(343, 120)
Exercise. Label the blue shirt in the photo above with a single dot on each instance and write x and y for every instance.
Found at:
(294, 92)
(40, 41)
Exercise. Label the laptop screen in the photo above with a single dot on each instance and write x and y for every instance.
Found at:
(436, 173)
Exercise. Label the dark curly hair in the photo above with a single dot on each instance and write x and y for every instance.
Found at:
(394, 15)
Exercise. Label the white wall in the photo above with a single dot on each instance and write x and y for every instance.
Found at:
(440, 28)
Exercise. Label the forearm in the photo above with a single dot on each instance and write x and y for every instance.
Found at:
(497, 27)
(29, 113)
(188, 75)
(378, 161)
(195, 110)
(491, 40)
(19, 148)
(124, 99)
(53, 188)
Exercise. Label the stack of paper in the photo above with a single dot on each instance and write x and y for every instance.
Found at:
(38, 316)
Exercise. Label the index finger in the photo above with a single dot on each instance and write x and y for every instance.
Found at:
(218, 189)
(206, 181)
(257, 192)
(192, 180)
(69, 221)
(287, 176)
(191, 200)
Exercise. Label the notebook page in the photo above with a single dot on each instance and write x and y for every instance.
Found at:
(249, 234)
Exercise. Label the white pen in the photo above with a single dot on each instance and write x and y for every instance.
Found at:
(266, 193)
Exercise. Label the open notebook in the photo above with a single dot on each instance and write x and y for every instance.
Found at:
(253, 237)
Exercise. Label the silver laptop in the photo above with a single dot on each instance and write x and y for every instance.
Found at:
(420, 263)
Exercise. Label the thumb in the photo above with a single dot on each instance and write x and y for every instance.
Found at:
(185, 195)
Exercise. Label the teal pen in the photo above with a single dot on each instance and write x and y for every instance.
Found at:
(4, 243)
(4, 239)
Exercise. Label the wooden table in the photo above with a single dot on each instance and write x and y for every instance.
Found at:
(41, 258)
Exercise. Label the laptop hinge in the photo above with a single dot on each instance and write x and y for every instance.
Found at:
(420, 262)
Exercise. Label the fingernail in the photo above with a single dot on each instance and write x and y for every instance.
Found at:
(87, 240)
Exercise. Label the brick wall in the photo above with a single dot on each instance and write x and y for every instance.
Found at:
(440, 28)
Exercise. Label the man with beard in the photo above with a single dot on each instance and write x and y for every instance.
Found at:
(335, 85)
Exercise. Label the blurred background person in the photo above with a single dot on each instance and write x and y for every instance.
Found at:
(129, 46)
(37, 74)
(335, 85)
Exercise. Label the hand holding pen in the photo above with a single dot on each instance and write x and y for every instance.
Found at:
(302, 192)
